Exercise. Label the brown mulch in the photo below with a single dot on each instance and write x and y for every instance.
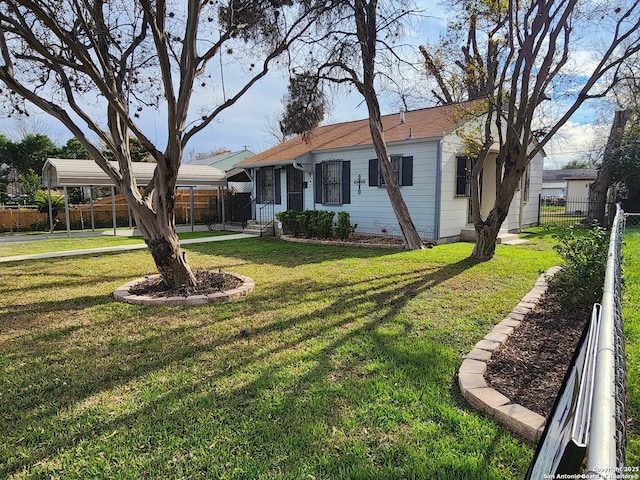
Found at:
(529, 367)
(372, 239)
(208, 282)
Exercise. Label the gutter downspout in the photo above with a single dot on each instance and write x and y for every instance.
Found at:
(438, 199)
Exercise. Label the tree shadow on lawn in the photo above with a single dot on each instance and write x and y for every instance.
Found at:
(264, 250)
(299, 389)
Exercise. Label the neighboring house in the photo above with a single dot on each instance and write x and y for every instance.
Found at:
(224, 161)
(336, 169)
(568, 183)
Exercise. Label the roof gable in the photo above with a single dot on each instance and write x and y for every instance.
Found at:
(418, 124)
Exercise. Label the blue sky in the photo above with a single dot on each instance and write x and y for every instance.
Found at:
(244, 124)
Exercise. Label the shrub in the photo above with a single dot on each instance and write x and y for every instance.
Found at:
(290, 222)
(209, 219)
(585, 255)
(309, 223)
(343, 226)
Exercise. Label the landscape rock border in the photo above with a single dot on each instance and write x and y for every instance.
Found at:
(473, 385)
(123, 294)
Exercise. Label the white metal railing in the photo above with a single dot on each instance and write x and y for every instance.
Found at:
(589, 416)
(607, 432)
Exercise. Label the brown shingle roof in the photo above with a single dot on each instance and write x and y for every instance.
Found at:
(423, 123)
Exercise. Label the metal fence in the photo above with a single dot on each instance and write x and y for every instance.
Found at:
(589, 417)
(632, 220)
(607, 433)
(566, 212)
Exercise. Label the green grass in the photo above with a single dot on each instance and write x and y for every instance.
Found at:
(341, 364)
(41, 245)
(631, 316)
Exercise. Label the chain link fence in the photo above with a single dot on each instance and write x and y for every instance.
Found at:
(606, 454)
(632, 220)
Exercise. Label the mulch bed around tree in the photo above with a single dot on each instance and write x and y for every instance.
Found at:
(529, 367)
(208, 282)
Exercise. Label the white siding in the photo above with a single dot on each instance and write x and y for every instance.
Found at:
(530, 208)
(578, 188)
(453, 210)
(371, 209)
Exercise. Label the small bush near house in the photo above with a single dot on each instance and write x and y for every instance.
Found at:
(309, 223)
(585, 255)
(290, 222)
(316, 224)
(343, 226)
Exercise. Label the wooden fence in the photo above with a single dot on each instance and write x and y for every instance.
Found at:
(80, 217)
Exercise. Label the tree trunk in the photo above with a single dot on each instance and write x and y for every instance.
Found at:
(156, 220)
(170, 260)
(486, 240)
(164, 247)
(600, 187)
(487, 230)
(366, 16)
(410, 236)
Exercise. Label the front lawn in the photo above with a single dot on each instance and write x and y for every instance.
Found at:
(341, 364)
(631, 316)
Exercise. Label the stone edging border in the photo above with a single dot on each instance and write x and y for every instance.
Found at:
(122, 294)
(311, 241)
(473, 384)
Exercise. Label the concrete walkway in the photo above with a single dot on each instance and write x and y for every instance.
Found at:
(119, 248)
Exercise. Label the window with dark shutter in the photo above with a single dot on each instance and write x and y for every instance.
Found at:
(346, 182)
(373, 172)
(402, 168)
(463, 177)
(333, 182)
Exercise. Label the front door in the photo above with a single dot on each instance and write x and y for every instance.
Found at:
(295, 189)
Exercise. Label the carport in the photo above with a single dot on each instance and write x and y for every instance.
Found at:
(59, 172)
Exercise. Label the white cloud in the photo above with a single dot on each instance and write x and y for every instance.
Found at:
(574, 141)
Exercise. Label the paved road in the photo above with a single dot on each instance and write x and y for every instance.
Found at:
(119, 248)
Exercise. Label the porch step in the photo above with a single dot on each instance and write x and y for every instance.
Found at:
(259, 229)
(511, 239)
(504, 238)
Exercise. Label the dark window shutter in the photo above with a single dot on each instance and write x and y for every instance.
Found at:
(346, 182)
(407, 171)
(318, 183)
(277, 193)
(258, 186)
(461, 176)
(373, 172)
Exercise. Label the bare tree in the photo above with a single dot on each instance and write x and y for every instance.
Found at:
(349, 53)
(600, 187)
(95, 65)
(517, 56)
